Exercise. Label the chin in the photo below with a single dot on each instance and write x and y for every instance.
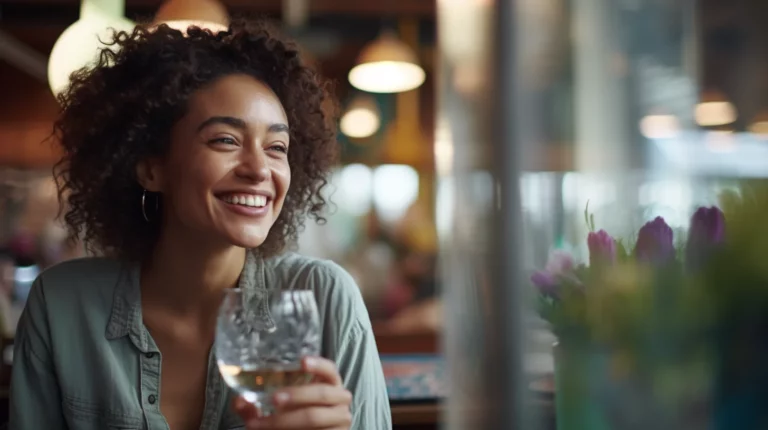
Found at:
(248, 237)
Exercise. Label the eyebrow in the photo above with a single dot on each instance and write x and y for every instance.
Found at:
(279, 128)
(239, 123)
(228, 120)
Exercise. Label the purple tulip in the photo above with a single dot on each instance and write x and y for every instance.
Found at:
(546, 283)
(655, 243)
(706, 233)
(559, 263)
(602, 248)
(560, 266)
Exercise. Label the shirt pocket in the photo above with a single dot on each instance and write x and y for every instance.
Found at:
(84, 415)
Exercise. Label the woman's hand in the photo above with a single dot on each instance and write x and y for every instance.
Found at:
(322, 404)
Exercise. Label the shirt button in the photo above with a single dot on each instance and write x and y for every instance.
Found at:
(151, 399)
(150, 355)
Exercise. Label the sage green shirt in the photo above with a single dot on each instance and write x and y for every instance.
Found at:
(84, 360)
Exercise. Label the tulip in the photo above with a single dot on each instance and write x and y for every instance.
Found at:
(559, 263)
(706, 233)
(602, 248)
(546, 283)
(655, 243)
(559, 266)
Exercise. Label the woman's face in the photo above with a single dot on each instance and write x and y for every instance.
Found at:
(226, 174)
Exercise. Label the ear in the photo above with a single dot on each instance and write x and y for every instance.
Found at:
(149, 173)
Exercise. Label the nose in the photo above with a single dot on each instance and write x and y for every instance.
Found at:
(254, 165)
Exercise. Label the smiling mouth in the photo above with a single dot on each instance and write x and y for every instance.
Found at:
(247, 200)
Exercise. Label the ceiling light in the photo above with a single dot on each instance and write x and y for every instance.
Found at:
(759, 125)
(182, 14)
(714, 110)
(80, 44)
(660, 126)
(362, 118)
(387, 65)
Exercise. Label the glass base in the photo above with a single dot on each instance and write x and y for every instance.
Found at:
(263, 401)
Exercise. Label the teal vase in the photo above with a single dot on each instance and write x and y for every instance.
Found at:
(578, 372)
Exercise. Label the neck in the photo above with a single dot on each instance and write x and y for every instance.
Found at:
(185, 275)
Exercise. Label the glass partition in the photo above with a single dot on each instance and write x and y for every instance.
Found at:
(599, 212)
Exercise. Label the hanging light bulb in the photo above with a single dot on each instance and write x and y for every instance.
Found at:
(182, 14)
(79, 45)
(759, 125)
(362, 117)
(714, 110)
(387, 65)
(660, 126)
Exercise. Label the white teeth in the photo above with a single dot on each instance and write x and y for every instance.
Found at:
(246, 200)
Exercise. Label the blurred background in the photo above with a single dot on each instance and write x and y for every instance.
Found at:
(463, 167)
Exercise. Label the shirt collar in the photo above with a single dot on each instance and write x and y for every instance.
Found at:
(126, 319)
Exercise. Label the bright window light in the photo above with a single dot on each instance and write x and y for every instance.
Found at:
(395, 188)
(354, 188)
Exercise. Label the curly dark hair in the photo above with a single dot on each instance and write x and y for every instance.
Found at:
(121, 111)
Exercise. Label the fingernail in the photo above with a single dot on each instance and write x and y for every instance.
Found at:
(310, 362)
(281, 398)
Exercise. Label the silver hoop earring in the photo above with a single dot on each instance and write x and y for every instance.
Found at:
(144, 205)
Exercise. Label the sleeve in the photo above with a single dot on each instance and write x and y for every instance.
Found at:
(355, 353)
(35, 399)
(360, 368)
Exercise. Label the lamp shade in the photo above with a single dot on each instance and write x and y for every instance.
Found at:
(362, 118)
(714, 109)
(387, 65)
(79, 46)
(759, 125)
(182, 14)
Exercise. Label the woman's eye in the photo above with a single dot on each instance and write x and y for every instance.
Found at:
(279, 148)
(225, 140)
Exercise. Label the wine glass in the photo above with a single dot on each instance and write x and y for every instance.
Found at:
(259, 352)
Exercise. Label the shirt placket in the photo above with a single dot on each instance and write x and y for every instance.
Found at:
(151, 363)
(215, 396)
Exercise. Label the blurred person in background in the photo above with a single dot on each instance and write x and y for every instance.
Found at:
(26, 260)
(413, 302)
(190, 162)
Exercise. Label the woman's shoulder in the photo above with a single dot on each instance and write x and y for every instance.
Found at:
(79, 269)
(336, 291)
(73, 279)
(292, 267)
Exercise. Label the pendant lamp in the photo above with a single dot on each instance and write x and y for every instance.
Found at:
(714, 109)
(387, 65)
(759, 125)
(361, 118)
(80, 44)
(182, 14)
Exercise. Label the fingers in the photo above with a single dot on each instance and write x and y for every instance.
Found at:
(324, 370)
(247, 410)
(305, 419)
(312, 395)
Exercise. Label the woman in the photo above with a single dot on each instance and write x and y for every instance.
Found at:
(190, 162)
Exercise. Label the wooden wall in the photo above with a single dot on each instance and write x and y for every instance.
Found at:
(27, 112)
